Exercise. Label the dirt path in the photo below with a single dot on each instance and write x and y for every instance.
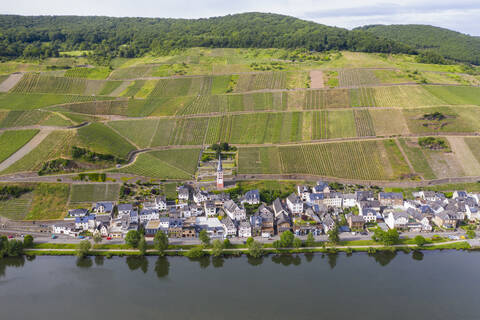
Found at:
(316, 79)
(10, 82)
(120, 89)
(32, 144)
(405, 156)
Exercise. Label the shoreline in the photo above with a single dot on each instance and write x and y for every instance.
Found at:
(450, 245)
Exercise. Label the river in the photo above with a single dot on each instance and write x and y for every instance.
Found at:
(430, 285)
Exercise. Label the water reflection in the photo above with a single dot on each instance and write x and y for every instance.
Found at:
(16, 262)
(309, 256)
(417, 255)
(162, 267)
(287, 259)
(203, 261)
(217, 262)
(99, 260)
(84, 262)
(332, 260)
(383, 258)
(254, 261)
(137, 262)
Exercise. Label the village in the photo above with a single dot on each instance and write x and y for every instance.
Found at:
(311, 210)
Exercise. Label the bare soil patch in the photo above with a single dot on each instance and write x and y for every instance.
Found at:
(316, 79)
(10, 82)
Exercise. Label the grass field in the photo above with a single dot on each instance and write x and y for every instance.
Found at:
(405, 96)
(56, 144)
(100, 138)
(388, 122)
(97, 73)
(165, 164)
(474, 145)
(456, 95)
(89, 193)
(24, 101)
(49, 201)
(460, 119)
(259, 160)
(18, 208)
(11, 141)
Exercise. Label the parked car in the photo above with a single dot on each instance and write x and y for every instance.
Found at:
(54, 236)
(81, 237)
(109, 238)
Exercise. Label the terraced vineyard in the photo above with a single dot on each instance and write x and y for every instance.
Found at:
(89, 193)
(360, 120)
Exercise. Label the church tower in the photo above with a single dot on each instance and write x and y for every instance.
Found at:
(219, 173)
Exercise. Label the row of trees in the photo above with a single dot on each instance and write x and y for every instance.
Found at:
(45, 36)
(14, 247)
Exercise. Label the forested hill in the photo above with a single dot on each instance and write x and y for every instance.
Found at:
(450, 44)
(40, 36)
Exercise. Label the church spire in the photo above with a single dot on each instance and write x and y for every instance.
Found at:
(219, 167)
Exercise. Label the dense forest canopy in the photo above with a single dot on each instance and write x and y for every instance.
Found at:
(45, 36)
(449, 44)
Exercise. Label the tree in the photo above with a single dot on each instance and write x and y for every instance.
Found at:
(471, 234)
(277, 244)
(391, 237)
(226, 243)
(286, 239)
(3, 246)
(249, 241)
(28, 241)
(420, 241)
(83, 248)
(97, 238)
(297, 243)
(334, 235)
(15, 248)
(160, 241)
(132, 238)
(195, 252)
(255, 249)
(203, 236)
(217, 248)
(310, 242)
(142, 246)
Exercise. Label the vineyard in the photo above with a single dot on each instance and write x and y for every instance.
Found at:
(100, 138)
(189, 131)
(319, 99)
(356, 77)
(263, 160)
(364, 123)
(16, 208)
(362, 97)
(24, 101)
(261, 81)
(56, 144)
(139, 132)
(35, 83)
(166, 164)
(139, 71)
(405, 96)
(182, 87)
(417, 158)
(97, 73)
(118, 107)
(11, 141)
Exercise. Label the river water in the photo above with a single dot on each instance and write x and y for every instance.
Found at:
(432, 285)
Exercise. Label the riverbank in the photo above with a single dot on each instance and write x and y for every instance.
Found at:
(124, 250)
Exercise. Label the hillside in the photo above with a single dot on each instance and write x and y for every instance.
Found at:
(41, 36)
(450, 44)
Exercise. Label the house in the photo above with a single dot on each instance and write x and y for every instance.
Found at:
(161, 203)
(303, 192)
(268, 221)
(147, 215)
(183, 193)
(283, 223)
(200, 196)
(175, 228)
(188, 228)
(210, 209)
(315, 199)
(256, 224)
(428, 195)
(459, 195)
(349, 200)
(294, 204)
(67, 228)
(333, 199)
(321, 187)
(213, 226)
(421, 218)
(364, 196)
(355, 222)
(78, 212)
(102, 229)
(219, 198)
(397, 220)
(251, 197)
(278, 208)
(328, 223)
(152, 227)
(103, 208)
(234, 211)
(244, 229)
(394, 199)
(446, 219)
(81, 223)
(133, 216)
(369, 215)
(229, 226)
(125, 209)
(473, 214)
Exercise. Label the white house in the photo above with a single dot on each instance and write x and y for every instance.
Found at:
(200, 196)
(161, 203)
(333, 199)
(210, 209)
(244, 229)
(148, 214)
(251, 197)
(303, 192)
(229, 226)
(183, 193)
(278, 208)
(369, 215)
(124, 209)
(234, 211)
(294, 204)
(397, 220)
(349, 200)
